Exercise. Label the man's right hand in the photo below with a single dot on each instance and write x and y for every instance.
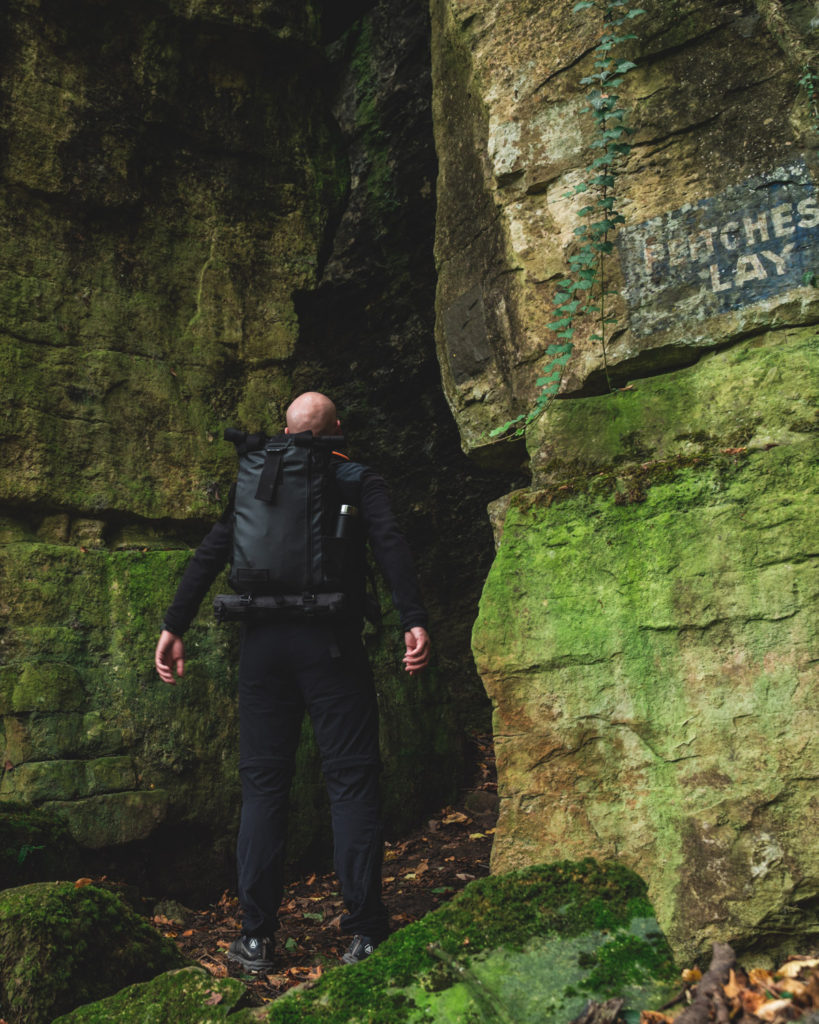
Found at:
(416, 641)
(170, 654)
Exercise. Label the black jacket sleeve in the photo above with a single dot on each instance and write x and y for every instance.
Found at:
(207, 562)
(391, 550)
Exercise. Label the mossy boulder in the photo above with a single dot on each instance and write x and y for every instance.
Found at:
(62, 946)
(531, 946)
(538, 943)
(189, 994)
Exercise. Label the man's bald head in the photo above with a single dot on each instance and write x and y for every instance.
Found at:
(312, 411)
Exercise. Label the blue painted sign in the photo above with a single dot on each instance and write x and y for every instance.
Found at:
(743, 246)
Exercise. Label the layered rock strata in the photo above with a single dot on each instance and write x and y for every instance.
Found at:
(647, 628)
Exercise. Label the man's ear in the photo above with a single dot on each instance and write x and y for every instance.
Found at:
(287, 430)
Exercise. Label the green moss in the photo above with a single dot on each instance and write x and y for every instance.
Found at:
(187, 996)
(511, 912)
(585, 443)
(62, 946)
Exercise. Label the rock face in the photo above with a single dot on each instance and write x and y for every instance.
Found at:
(646, 631)
(203, 210)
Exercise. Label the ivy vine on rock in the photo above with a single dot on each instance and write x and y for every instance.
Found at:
(585, 291)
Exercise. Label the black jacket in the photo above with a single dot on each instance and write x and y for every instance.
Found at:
(388, 544)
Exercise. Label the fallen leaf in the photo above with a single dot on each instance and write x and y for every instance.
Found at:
(653, 1017)
(455, 818)
(751, 1001)
(794, 967)
(422, 866)
(214, 999)
(732, 988)
(760, 978)
(222, 943)
(187, 934)
(773, 1009)
(794, 989)
(463, 876)
(477, 835)
(276, 980)
(691, 975)
(310, 880)
(81, 882)
(214, 969)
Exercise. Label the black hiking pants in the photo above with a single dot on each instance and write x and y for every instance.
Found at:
(286, 668)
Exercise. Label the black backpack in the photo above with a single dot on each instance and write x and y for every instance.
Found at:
(298, 543)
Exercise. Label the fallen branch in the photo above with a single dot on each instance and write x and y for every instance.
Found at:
(709, 995)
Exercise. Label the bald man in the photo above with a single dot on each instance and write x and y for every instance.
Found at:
(287, 668)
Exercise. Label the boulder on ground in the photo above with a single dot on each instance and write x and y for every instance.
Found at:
(62, 945)
(531, 947)
(189, 994)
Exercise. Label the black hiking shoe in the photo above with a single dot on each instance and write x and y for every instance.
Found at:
(360, 948)
(253, 952)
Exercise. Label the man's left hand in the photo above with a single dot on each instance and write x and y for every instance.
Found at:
(417, 644)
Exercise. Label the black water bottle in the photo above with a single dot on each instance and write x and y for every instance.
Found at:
(345, 524)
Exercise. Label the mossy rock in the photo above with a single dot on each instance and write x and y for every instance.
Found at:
(62, 946)
(189, 994)
(35, 846)
(529, 946)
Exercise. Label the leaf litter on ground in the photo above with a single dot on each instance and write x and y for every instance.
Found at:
(421, 871)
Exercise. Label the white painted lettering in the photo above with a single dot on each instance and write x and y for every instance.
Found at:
(702, 240)
(758, 226)
(782, 217)
(778, 259)
(730, 235)
(749, 268)
(716, 284)
(809, 212)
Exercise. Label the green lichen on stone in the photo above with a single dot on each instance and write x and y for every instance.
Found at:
(186, 996)
(62, 946)
(646, 634)
(511, 918)
(756, 394)
(47, 687)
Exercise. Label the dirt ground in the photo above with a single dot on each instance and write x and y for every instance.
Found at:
(421, 870)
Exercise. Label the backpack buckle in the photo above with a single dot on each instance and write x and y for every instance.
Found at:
(309, 602)
(246, 600)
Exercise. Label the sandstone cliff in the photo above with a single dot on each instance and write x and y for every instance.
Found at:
(647, 631)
